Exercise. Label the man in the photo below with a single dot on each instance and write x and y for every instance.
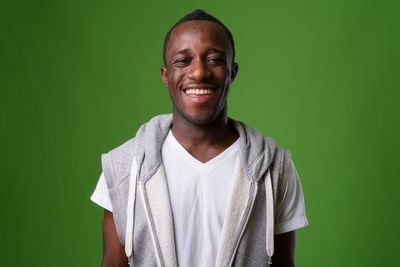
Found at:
(197, 188)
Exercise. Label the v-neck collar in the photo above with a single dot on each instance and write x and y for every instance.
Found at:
(197, 164)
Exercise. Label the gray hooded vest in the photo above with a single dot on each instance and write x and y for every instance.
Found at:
(141, 207)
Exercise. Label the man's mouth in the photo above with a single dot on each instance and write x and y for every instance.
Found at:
(198, 91)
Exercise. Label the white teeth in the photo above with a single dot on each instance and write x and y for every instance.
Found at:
(195, 91)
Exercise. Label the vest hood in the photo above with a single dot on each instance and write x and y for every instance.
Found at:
(256, 151)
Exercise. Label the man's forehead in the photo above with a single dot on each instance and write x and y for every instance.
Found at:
(200, 31)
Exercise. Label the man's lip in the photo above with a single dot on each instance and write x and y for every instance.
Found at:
(200, 87)
(213, 88)
(199, 91)
(199, 99)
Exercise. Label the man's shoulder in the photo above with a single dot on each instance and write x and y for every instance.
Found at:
(280, 156)
(154, 122)
(116, 163)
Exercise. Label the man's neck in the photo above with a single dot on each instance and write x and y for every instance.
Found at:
(205, 142)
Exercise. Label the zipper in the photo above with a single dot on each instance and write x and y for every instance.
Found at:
(153, 236)
(245, 223)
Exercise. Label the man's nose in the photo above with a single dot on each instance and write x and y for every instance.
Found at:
(199, 71)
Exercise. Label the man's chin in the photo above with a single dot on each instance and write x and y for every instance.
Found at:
(200, 119)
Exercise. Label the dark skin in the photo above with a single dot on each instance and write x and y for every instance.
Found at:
(199, 56)
(113, 251)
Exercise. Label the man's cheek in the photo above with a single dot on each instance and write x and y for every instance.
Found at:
(173, 72)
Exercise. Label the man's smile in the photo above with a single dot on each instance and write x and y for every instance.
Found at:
(199, 96)
(199, 91)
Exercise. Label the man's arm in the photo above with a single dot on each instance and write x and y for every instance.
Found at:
(113, 251)
(284, 246)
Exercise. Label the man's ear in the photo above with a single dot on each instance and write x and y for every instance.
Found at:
(234, 71)
(164, 75)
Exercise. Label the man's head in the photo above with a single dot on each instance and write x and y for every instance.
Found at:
(199, 67)
(198, 15)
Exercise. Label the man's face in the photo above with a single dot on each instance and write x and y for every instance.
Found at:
(199, 71)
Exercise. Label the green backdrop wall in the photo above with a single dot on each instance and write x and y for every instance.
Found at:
(79, 77)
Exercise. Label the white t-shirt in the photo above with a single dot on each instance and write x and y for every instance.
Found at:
(199, 194)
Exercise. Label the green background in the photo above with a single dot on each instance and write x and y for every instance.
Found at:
(79, 77)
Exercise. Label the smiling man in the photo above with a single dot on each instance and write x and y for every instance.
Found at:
(196, 188)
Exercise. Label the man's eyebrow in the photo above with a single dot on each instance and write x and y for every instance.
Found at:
(212, 49)
(183, 51)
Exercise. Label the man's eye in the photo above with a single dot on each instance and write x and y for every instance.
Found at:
(182, 61)
(215, 60)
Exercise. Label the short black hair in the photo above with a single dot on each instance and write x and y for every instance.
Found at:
(198, 15)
